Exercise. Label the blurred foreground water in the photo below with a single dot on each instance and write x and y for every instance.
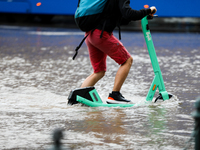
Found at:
(37, 73)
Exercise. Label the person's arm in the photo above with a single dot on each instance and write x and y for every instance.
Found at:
(131, 14)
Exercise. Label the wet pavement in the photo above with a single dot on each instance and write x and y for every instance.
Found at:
(37, 73)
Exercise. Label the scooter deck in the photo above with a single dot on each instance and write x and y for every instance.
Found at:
(96, 104)
(90, 97)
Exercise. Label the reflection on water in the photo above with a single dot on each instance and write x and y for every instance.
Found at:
(37, 74)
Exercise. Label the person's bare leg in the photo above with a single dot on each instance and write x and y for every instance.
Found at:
(122, 73)
(93, 79)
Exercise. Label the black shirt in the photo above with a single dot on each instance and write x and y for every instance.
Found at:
(119, 12)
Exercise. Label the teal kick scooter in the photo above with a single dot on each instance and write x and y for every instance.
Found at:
(90, 97)
(158, 79)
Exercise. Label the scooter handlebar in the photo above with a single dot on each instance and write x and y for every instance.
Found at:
(149, 17)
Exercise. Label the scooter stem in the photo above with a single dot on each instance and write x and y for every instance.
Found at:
(158, 79)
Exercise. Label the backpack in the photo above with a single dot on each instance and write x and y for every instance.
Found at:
(89, 13)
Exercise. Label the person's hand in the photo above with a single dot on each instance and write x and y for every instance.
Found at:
(153, 10)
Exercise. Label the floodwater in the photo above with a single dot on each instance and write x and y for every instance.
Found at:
(37, 73)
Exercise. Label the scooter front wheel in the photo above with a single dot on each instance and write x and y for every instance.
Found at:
(161, 98)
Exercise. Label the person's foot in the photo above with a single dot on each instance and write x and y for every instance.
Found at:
(116, 98)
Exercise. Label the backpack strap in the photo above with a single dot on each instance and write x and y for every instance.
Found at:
(78, 3)
(119, 31)
(79, 46)
(103, 29)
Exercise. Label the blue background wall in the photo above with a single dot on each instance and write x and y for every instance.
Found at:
(171, 8)
(166, 8)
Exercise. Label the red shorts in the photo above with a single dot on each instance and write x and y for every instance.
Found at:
(99, 48)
